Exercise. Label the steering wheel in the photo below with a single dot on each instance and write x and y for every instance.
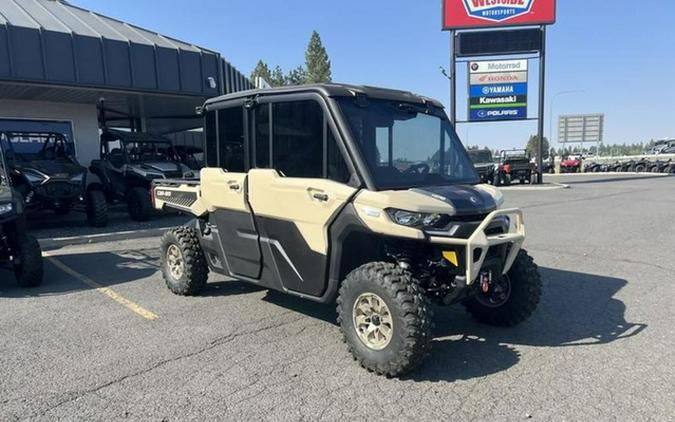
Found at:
(418, 169)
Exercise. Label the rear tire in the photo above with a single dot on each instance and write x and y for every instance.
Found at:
(29, 273)
(523, 298)
(97, 208)
(139, 204)
(184, 266)
(398, 340)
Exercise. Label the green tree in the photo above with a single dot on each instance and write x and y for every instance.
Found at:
(277, 78)
(316, 61)
(297, 76)
(533, 146)
(261, 70)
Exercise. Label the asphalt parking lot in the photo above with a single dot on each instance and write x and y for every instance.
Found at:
(103, 339)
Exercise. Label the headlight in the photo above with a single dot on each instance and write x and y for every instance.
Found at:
(5, 208)
(34, 177)
(78, 178)
(417, 219)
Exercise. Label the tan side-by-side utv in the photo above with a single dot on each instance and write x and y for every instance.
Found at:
(358, 195)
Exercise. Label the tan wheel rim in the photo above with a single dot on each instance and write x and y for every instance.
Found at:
(373, 321)
(175, 262)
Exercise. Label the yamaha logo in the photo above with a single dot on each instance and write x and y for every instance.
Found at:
(497, 10)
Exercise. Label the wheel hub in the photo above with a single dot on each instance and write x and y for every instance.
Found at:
(494, 292)
(373, 321)
(175, 262)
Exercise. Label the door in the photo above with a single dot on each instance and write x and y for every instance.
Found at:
(225, 188)
(295, 199)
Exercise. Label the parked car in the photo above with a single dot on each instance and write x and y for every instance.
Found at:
(513, 165)
(483, 163)
(19, 251)
(380, 229)
(46, 173)
(570, 164)
(129, 162)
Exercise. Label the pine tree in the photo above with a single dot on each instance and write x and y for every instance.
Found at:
(316, 60)
(261, 70)
(297, 76)
(277, 78)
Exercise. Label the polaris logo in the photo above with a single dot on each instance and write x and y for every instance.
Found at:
(498, 10)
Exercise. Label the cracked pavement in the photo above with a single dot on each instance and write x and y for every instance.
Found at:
(600, 346)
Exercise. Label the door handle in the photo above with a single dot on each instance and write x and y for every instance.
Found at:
(320, 197)
(234, 186)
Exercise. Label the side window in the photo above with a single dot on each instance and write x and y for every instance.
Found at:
(211, 146)
(337, 169)
(262, 136)
(115, 152)
(297, 149)
(231, 139)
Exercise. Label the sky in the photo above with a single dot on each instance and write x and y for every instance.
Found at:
(620, 54)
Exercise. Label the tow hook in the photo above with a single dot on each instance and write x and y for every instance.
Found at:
(485, 281)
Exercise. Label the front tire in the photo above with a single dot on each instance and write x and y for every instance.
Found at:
(97, 208)
(524, 292)
(184, 266)
(385, 318)
(29, 271)
(139, 204)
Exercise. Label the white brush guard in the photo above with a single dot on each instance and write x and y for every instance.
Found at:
(479, 240)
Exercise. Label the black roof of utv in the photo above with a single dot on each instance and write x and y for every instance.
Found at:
(330, 90)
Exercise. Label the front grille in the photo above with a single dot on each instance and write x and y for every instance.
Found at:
(59, 189)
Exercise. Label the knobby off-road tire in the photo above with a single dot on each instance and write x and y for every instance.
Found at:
(29, 272)
(97, 208)
(523, 299)
(184, 266)
(139, 204)
(409, 318)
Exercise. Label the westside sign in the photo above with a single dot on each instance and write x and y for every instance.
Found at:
(497, 90)
(463, 14)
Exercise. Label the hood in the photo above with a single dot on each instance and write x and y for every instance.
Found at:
(159, 166)
(55, 168)
(465, 199)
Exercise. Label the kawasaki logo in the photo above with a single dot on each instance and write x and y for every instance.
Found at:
(497, 10)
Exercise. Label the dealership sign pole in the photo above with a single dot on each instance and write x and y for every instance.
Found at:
(498, 88)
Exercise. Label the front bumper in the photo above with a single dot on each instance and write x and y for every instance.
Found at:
(477, 245)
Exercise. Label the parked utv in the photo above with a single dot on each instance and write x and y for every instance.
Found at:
(191, 156)
(19, 251)
(45, 172)
(356, 195)
(571, 164)
(129, 162)
(483, 163)
(513, 165)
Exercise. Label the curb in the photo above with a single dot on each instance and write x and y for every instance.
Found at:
(547, 186)
(60, 242)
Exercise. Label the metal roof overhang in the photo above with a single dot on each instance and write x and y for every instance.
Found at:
(53, 51)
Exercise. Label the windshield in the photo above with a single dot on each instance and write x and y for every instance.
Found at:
(480, 156)
(407, 145)
(516, 154)
(29, 146)
(149, 151)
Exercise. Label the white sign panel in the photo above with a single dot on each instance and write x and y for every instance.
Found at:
(498, 66)
(498, 78)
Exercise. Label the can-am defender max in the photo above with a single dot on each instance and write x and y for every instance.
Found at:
(19, 252)
(44, 170)
(359, 195)
(129, 162)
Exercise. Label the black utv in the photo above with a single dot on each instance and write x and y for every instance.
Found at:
(44, 171)
(129, 162)
(513, 165)
(483, 163)
(19, 252)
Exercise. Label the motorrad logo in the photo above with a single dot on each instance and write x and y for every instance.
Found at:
(498, 10)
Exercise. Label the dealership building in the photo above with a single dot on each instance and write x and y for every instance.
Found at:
(70, 70)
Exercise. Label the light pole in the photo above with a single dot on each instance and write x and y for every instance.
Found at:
(550, 120)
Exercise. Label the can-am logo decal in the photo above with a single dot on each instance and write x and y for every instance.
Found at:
(497, 10)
